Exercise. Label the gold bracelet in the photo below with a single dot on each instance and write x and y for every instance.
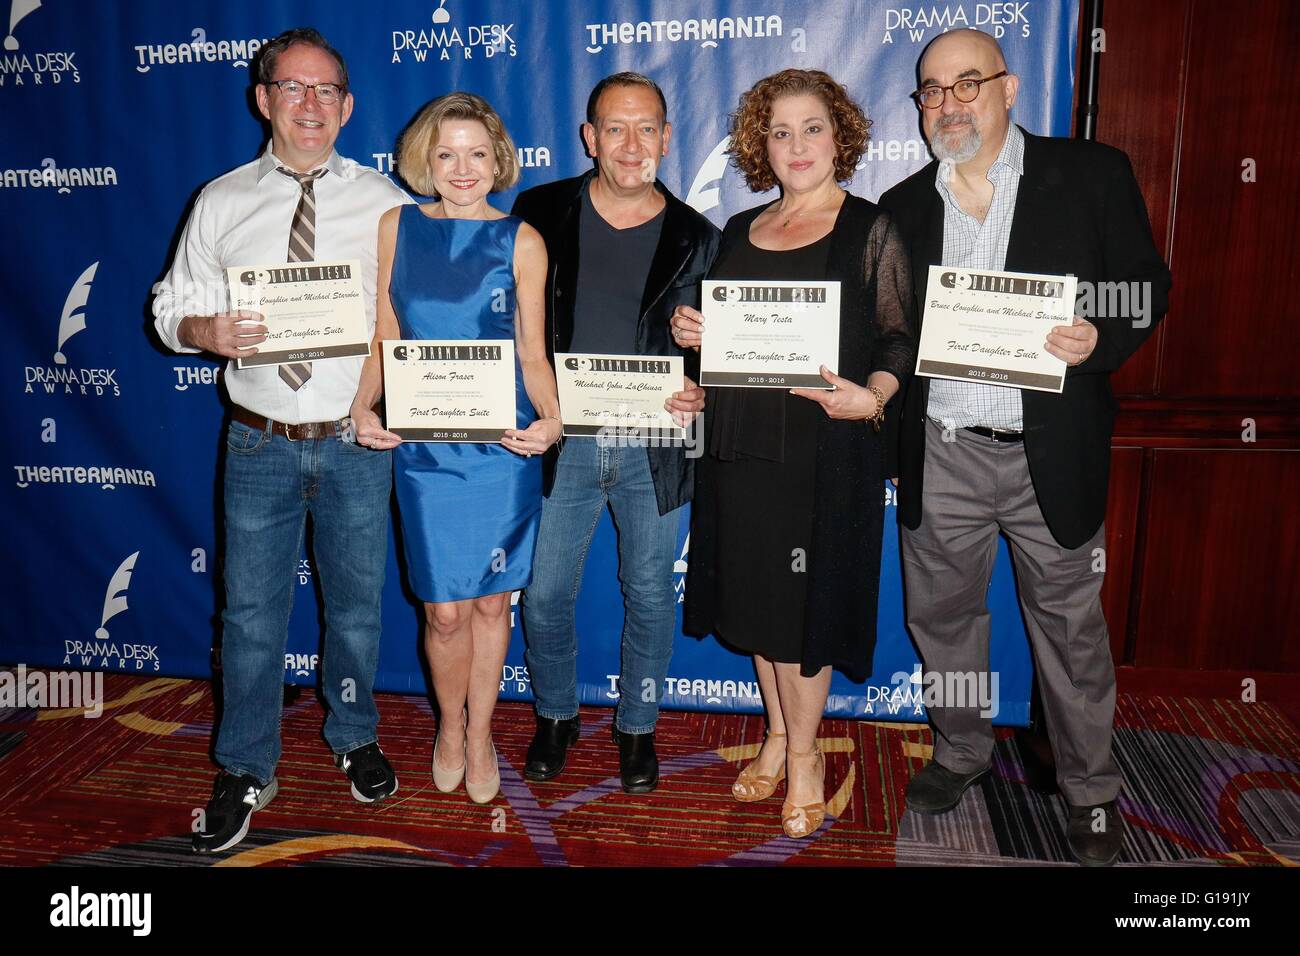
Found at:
(877, 419)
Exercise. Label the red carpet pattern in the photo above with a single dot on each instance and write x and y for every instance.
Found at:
(1207, 782)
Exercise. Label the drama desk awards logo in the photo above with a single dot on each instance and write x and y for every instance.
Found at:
(63, 377)
(18, 67)
(103, 652)
(447, 40)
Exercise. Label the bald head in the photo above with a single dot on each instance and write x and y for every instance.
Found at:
(966, 125)
(976, 49)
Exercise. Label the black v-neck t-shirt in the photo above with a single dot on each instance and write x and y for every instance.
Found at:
(613, 265)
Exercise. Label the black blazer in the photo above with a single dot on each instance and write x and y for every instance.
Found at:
(688, 244)
(1078, 212)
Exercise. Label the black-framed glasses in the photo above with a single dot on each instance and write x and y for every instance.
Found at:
(965, 91)
(293, 91)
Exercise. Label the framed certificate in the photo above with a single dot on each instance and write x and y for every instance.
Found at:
(990, 327)
(312, 310)
(764, 334)
(449, 390)
(618, 394)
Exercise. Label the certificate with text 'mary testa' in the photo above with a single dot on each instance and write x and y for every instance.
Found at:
(760, 333)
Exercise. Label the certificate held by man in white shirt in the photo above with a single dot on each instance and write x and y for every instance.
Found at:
(311, 310)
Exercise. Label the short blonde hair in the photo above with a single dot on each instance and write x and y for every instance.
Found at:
(421, 137)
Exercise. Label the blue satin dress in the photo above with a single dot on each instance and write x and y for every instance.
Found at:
(469, 510)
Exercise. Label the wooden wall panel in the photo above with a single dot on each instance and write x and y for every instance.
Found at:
(1118, 588)
(1234, 308)
(1220, 573)
(1140, 88)
(1203, 534)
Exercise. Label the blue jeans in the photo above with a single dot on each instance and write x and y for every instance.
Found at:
(271, 484)
(587, 477)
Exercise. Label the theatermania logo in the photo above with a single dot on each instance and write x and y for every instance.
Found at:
(50, 175)
(708, 32)
(448, 40)
(529, 157)
(63, 378)
(198, 49)
(18, 67)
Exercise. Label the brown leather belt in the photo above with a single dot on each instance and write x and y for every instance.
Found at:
(301, 432)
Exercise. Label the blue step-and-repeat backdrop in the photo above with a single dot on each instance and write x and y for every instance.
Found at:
(113, 114)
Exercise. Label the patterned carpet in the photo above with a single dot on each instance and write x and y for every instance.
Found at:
(1209, 782)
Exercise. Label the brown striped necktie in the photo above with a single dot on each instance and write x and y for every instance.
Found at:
(302, 248)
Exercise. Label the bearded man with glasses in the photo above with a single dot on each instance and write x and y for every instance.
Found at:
(977, 459)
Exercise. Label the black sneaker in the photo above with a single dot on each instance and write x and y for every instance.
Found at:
(225, 822)
(370, 772)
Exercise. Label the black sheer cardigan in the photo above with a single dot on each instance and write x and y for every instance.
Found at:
(877, 333)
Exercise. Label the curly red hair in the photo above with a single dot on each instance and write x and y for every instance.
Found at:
(752, 118)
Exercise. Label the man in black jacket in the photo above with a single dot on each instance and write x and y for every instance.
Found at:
(624, 252)
(975, 459)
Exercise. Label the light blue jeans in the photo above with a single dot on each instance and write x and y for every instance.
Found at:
(271, 484)
(588, 476)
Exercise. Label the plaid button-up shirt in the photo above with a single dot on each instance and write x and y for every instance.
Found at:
(971, 244)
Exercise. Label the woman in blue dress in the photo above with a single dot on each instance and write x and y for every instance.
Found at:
(457, 268)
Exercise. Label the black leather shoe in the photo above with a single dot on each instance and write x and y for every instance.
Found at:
(1095, 833)
(936, 789)
(550, 747)
(638, 765)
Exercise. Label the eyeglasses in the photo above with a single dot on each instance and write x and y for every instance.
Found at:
(965, 91)
(293, 91)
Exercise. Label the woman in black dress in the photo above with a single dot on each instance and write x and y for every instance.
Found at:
(789, 501)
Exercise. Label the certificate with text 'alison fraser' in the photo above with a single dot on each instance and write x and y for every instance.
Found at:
(449, 390)
(991, 327)
(760, 333)
(312, 310)
(618, 394)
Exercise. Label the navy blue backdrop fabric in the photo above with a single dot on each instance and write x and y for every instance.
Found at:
(112, 116)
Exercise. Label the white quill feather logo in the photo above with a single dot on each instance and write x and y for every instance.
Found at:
(700, 198)
(73, 320)
(18, 10)
(115, 596)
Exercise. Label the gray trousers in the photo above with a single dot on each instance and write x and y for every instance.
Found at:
(975, 487)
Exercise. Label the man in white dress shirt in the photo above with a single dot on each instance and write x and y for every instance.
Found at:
(289, 451)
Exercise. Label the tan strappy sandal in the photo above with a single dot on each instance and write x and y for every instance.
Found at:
(751, 787)
(800, 821)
